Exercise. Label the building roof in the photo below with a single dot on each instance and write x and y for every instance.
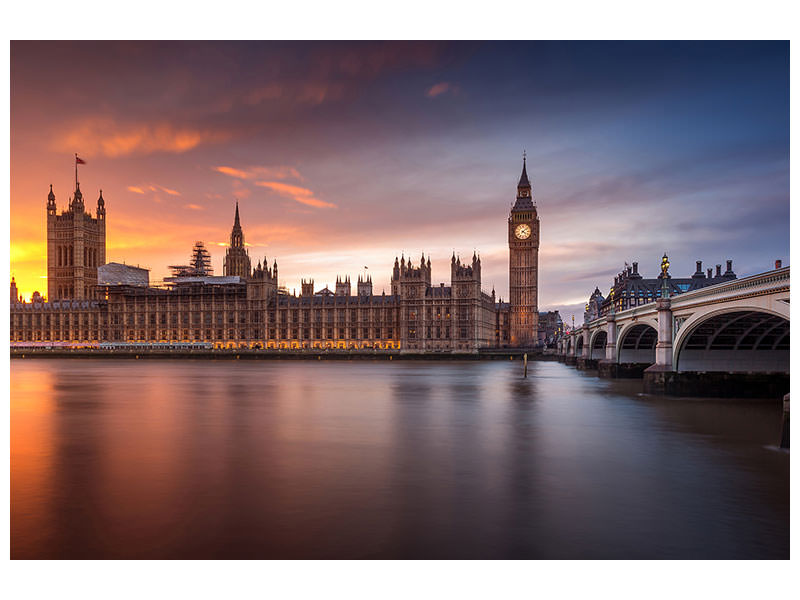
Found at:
(206, 280)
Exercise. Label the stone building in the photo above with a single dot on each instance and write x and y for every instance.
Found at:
(523, 264)
(247, 308)
(237, 259)
(630, 289)
(550, 325)
(76, 246)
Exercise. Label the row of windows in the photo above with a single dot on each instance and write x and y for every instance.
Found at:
(329, 333)
(436, 332)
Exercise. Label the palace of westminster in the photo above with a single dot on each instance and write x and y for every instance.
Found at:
(91, 302)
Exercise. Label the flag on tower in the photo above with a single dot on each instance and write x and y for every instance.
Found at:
(79, 160)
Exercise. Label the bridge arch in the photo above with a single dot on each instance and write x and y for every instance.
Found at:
(741, 339)
(579, 345)
(598, 345)
(637, 344)
(569, 346)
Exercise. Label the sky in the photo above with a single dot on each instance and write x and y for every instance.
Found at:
(343, 155)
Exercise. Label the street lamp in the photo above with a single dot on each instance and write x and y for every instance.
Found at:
(664, 276)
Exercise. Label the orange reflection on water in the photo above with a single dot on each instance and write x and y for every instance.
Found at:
(31, 451)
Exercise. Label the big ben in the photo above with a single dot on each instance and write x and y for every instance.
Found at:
(523, 264)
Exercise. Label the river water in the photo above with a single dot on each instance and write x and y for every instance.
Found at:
(329, 459)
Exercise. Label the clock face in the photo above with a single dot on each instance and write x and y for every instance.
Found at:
(523, 231)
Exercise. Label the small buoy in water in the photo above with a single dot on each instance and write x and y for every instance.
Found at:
(319, 358)
(390, 357)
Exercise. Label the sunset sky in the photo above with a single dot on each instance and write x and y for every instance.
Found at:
(344, 155)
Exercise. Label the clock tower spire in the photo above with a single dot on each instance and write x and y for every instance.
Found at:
(523, 264)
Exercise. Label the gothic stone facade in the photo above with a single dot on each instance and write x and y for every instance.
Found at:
(76, 246)
(523, 265)
(246, 307)
(252, 313)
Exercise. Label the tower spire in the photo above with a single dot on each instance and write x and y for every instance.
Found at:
(236, 219)
(523, 179)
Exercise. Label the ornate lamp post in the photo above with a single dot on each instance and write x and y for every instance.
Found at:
(663, 306)
(664, 276)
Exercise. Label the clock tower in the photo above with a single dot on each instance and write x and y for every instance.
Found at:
(523, 264)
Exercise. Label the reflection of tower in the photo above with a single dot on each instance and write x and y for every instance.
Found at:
(237, 259)
(76, 246)
(523, 264)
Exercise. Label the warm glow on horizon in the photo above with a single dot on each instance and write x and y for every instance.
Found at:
(343, 155)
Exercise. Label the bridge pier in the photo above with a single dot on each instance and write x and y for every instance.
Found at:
(586, 364)
(614, 370)
(785, 423)
(571, 359)
(715, 384)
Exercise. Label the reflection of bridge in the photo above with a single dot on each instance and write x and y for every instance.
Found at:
(727, 339)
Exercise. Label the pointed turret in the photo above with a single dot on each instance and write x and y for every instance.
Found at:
(523, 179)
(237, 259)
(77, 201)
(101, 206)
(524, 190)
(51, 202)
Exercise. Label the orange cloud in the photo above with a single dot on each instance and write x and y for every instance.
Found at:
(232, 172)
(104, 136)
(441, 88)
(279, 172)
(155, 187)
(194, 206)
(296, 193)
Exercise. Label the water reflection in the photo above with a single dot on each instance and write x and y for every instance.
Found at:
(199, 459)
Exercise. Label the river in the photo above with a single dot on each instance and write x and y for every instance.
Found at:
(402, 459)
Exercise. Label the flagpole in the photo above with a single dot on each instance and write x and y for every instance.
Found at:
(76, 170)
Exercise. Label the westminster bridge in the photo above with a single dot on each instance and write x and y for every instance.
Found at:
(729, 339)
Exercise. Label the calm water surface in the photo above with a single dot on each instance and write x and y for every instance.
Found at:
(266, 459)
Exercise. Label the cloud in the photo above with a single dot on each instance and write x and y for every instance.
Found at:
(279, 172)
(307, 92)
(296, 193)
(233, 172)
(441, 88)
(155, 187)
(194, 206)
(104, 136)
